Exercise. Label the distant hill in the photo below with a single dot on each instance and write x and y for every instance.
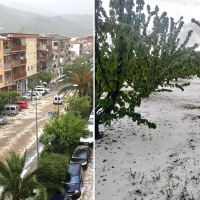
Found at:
(87, 20)
(13, 20)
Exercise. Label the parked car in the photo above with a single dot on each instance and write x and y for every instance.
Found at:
(74, 180)
(2, 120)
(60, 197)
(11, 109)
(35, 92)
(28, 96)
(58, 99)
(81, 155)
(41, 86)
(22, 103)
(87, 140)
(42, 90)
(91, 124)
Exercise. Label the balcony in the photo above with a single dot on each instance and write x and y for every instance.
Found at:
(49, 47)
(8, 81)
(62, 46)
(6, 51)
(17, 76)
(41, 47)
(18, 48)
(7, 66)
(41, 57)
(18, 62)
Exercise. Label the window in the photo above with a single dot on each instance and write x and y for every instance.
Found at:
(31, 67)
(28, 68)
(55, 44)
(71, 46)
(1, 78)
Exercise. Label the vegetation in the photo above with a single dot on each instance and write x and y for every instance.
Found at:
(78, 77)
(80, 106)
(60, 166)
(7, 97)
(45, 76)
(14, 185)
(64, 130)
(137, 56)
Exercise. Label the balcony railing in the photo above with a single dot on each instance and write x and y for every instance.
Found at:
(49, 47)
(8, 81)
(19, 76)
(41, 57)
(7, 66)
(6, 51)
(18, 48)
(18, 62)
(41, 47)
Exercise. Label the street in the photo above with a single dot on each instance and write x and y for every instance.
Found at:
(19, 134)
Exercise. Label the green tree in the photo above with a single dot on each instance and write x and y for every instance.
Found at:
(45, 76)
(7, 97)
(78, 77)
(137, 57)
(60, 166)
(80, 106)
(32, 82)
(64, 130)
(14, 185)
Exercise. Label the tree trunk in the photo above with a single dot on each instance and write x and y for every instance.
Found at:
(97, 134)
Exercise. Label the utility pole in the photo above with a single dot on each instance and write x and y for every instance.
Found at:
(36, 127)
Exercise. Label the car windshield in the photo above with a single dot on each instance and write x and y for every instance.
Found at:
(90, 122)
(90, 135)
(74, 179)
(80, 154)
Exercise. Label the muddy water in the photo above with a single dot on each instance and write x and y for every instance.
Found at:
(19, 134)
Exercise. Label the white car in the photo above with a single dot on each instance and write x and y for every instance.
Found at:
(41, 86)
(89, 139)
(34, 92)
(28, 96)
(58, 99)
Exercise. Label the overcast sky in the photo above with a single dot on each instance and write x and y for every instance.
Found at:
(54, 6)
(176, 8)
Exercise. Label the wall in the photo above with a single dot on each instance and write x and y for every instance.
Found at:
(2, 78)
(31, 56)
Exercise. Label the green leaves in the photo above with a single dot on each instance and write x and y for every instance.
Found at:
(141, 56)
(67, 129)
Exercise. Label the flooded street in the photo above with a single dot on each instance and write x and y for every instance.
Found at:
(19, 134)
(88, 189)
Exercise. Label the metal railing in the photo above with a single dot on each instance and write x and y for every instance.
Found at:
(7, 66)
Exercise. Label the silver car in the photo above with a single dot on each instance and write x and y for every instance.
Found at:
(2, 120)
(28, 96)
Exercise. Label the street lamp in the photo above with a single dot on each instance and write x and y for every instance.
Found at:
(36, 127)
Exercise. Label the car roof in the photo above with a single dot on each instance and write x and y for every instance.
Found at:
(20, 101)
(74, 169)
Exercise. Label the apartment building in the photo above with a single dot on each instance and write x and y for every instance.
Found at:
(2, 68)
(44, 53)
(60, 53)
(22, 56)
(81, 45)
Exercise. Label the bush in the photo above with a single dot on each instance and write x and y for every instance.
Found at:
(59, 164)
(79, 106)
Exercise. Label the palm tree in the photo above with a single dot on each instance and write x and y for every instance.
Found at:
(14, 185)
(78, 77)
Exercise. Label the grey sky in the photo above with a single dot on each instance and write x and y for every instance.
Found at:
(188, 9)
(53, 6)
